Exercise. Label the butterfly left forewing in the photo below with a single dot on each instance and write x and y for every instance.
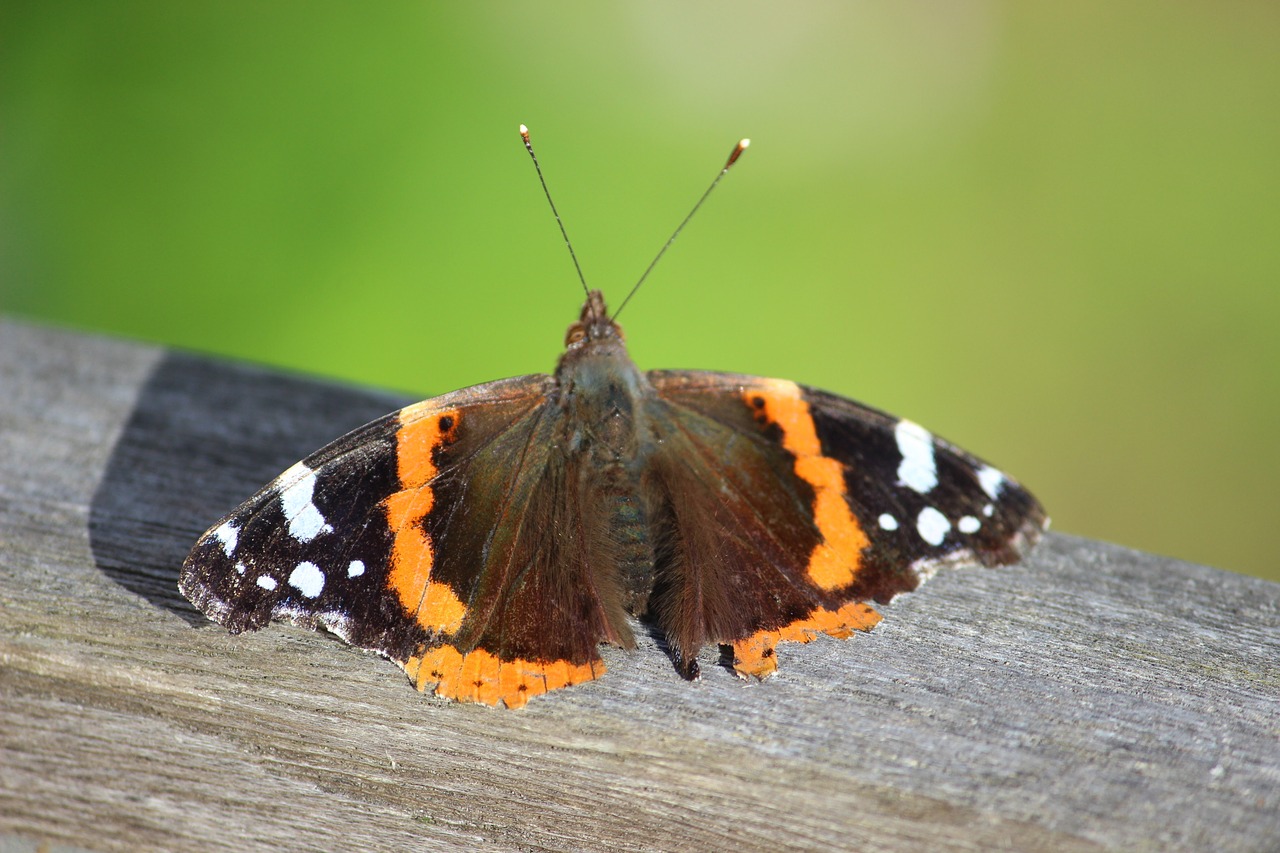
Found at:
(415, 536)
(256, 564)
(863, 505)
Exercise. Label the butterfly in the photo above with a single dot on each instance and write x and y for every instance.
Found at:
(491, 539)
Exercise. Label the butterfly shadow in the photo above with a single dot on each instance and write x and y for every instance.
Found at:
(203, 436)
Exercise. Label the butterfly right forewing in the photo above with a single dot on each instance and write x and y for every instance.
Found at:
(808, 506)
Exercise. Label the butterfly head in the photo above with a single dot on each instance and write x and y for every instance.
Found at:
(594, 353)
(594, 325)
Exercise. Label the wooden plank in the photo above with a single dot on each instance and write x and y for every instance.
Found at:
(1090, 698)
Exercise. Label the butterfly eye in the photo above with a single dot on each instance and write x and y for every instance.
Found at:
(577, 332)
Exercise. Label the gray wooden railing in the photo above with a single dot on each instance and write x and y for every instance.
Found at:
(1090, 698)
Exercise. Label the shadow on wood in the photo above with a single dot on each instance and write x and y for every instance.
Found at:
(189, 458)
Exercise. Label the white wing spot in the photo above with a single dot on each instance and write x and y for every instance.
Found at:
(918, 469)
(888, 522)
(307, 579)
(991, 480)
(988, 510)
(240, 568)
(305, 520)
(266, 583)
(968, 524)
(356, 569)
(228, 534)
(932, 526)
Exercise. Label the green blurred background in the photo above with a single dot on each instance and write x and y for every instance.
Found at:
(1048, 231)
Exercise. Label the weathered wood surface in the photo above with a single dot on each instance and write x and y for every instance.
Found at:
(1092, 698)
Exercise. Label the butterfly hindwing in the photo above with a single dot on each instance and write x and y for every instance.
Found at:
(495, 534)
(732, 523)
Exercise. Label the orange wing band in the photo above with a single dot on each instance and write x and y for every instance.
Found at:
(835, 561)
(435, 605)
(479, 676)
(755, 656)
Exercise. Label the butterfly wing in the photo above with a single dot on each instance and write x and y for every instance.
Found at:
(789, 509)
(427, 536)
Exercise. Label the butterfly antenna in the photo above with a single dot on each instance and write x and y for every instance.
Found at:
(733, 158)
(524, 134)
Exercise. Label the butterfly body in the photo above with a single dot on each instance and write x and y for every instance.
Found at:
(491, 539)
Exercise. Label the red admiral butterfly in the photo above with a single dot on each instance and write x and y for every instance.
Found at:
(490, 539)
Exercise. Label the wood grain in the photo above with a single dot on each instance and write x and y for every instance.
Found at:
(1091, 698)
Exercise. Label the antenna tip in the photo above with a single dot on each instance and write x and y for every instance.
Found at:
(524, 131)
(736, 153)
